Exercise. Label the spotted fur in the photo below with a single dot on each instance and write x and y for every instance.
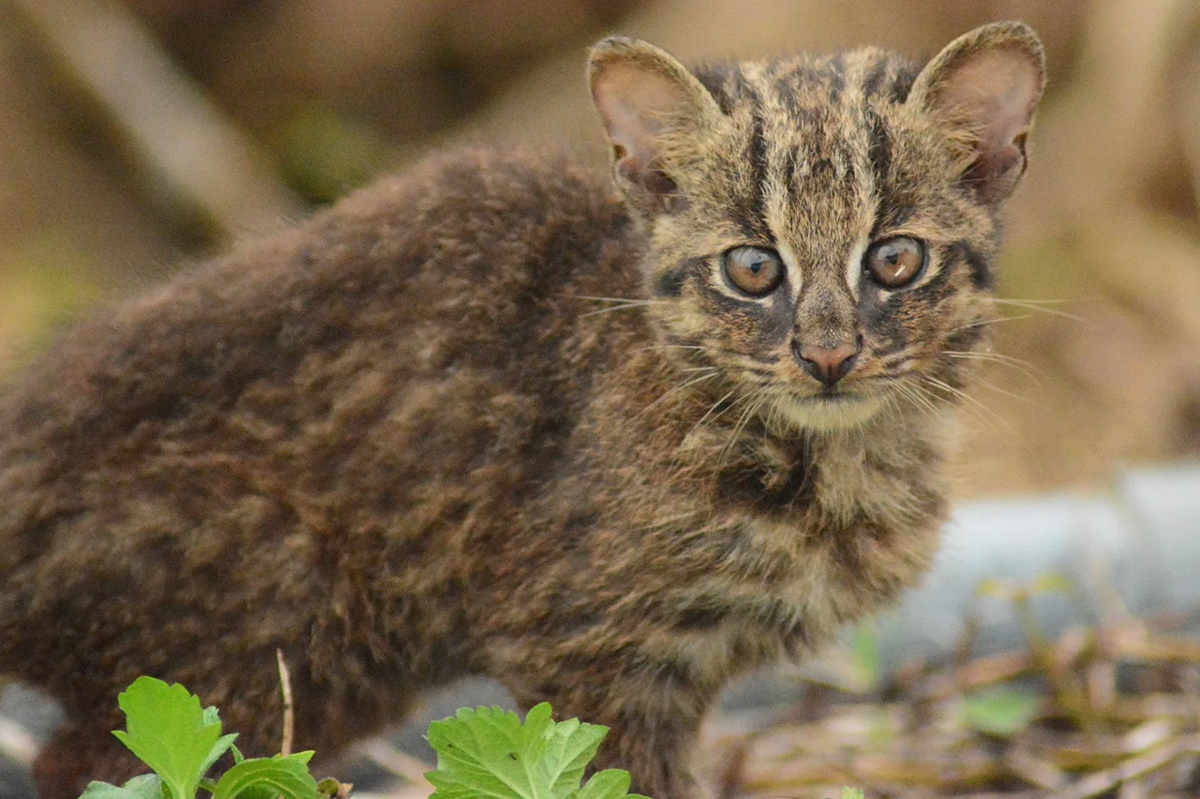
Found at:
(490, 418)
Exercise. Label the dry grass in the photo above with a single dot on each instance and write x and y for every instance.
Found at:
(1111, 711)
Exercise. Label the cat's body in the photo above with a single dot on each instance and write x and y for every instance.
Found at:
(489, 418)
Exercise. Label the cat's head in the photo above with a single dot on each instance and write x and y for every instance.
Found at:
(821, 230)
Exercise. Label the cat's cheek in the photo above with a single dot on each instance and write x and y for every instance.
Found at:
(880, 313)
(775, 326)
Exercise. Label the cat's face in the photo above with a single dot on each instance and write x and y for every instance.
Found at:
(822, 230)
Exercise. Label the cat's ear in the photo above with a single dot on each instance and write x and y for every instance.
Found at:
(984, 88)
(650, 105)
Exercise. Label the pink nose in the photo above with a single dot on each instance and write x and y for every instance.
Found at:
(828, 365)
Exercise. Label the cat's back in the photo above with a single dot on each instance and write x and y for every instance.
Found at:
(378, 357)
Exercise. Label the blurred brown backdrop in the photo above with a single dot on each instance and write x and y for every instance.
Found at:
(137, 136)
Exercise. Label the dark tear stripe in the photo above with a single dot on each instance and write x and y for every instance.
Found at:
(670, 282)
(977, 264)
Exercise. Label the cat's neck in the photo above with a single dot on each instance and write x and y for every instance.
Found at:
(885, 467)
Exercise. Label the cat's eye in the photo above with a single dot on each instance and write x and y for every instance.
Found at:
(895, 262)
(754, 271)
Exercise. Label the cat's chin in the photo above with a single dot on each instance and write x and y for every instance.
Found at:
(832, 412)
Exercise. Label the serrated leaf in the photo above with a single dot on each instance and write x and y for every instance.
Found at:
(488, 752)
(169, 731)
(267, 778)
(611, 783)
(145, 786)
(1001, 711)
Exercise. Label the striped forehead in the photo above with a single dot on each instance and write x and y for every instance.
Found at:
(817, 147)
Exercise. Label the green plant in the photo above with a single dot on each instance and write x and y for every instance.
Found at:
(488, 752)
(180, 741)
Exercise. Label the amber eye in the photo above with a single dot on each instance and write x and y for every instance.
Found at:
(895, 262)
(753, 270)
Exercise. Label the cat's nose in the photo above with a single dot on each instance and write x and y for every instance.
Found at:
(828, 364)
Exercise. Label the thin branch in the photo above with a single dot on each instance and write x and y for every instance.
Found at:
(289, 711)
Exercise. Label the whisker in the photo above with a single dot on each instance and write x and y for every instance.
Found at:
(1029, 370)
(715, 405)
(638, 300)
(650, 347)
(713, 372)
(918, 398)
(612, 308)
(1036, 305)
(1004, 392)
(753, 403)
(971, 400)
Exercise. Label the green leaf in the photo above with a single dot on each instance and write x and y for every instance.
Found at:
(145, 786)
(1002, 711)
(267, 778)
(329, 787)
(851, 793)
(488, 752)
(171, 733)
(612, 783)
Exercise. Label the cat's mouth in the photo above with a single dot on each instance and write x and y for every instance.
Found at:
(829, 410)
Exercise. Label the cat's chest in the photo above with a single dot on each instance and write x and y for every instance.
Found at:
(820, 543)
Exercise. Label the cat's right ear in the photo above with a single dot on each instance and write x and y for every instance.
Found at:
(651, 106)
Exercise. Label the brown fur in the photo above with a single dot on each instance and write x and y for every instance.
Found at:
(405, 442)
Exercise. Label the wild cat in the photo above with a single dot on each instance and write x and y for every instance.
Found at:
(493, 417)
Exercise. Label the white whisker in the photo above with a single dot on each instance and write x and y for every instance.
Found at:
(676, 389)
(1039, 306)
(972, 402)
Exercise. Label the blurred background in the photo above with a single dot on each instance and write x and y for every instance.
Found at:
(137, 136)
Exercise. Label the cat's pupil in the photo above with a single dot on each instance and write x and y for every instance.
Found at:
(897, 261)
(753, 271)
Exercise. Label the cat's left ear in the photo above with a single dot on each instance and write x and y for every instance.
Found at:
(984, 88)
